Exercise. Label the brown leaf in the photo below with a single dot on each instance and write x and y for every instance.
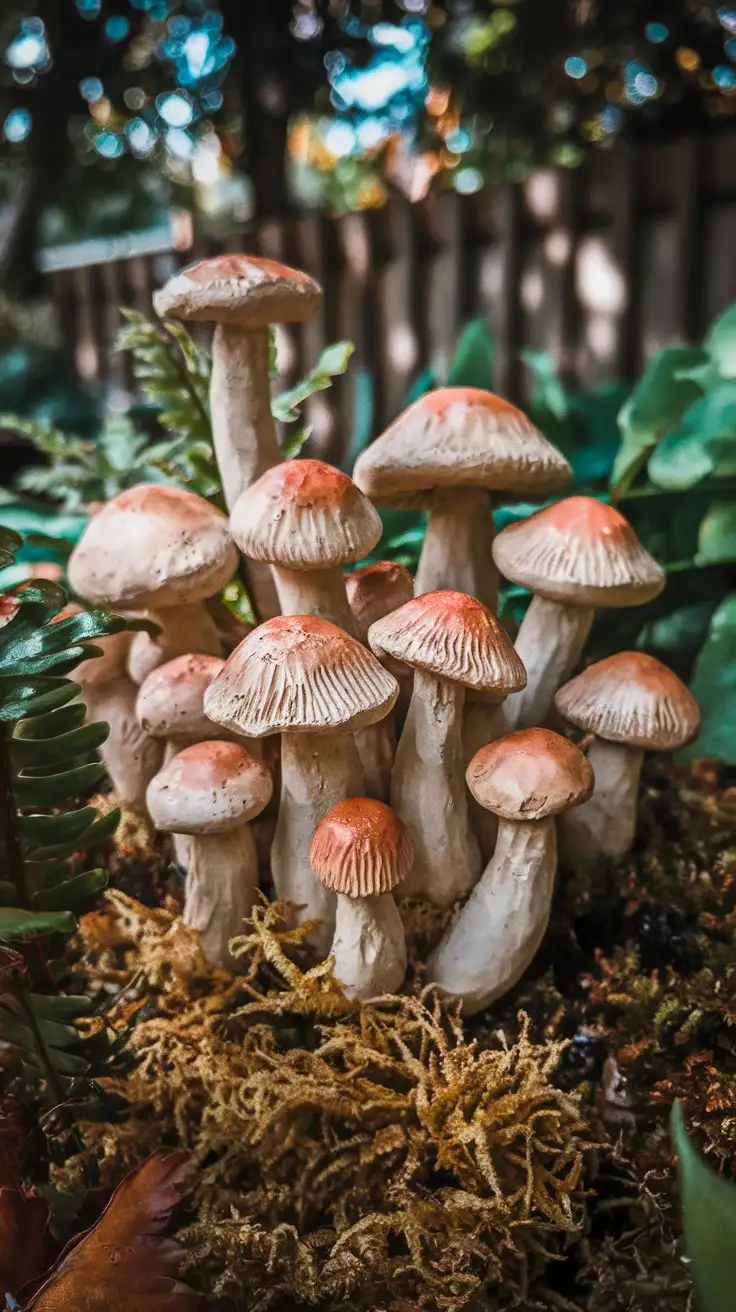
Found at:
(26, 1247)
(123, 1262)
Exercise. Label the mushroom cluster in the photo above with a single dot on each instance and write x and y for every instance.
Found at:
(421, 751)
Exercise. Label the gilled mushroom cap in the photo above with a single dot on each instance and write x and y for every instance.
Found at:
(454, 636)
(529, 775)
(210, 788)
(170, 702)
(361, 848)
(634, 699)
(300, 674)
(304, 514)
(245, 290)
(153, 546)
(459, 437)
(579, 551)
(375, 590)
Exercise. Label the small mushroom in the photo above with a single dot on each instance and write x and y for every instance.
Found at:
(526, 779)
(211, 791)
(361, 851)
(453, 642)
(242, 295)
(449, 453)
(376, 590)
(306, 679)
(163, 550)
(574, 556)
(633, 704)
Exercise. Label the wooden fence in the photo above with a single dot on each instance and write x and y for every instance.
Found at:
(600, 265)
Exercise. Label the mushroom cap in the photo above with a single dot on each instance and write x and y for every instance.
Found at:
(529, 775)
(170, 701)
(300, 674)
(153, 546)
(375, 590)
(579, 551)
(634, 699)
(209, 788)
(459, 437)
(361, 848)
(245, 290)
(304, 514)
(454, 636)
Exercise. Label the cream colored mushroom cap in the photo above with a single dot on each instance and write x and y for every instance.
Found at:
(454, 636)
(459, 437)
(530, 775)
(153, 546)
(244, 290)
(375, 591)
(579, 551)
(361, 848)
(304, 515)
(634, 699)
(300, 674)
(209, 788)
(170, 702)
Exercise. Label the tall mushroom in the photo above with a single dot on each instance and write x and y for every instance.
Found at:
(449, 453)
(163, 550)
(633, 704)
(452, 642)
(210, 791)
(574, 556)
(361, 851)
(306, 679)
(526, 778)
(242, 295)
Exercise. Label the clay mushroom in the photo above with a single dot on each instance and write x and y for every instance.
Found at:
(162, 550)
(361, 851)
(210, 791)
(375, 591)
(633, 704)
(452, 642)
(574, 556)
(242, 295)
(526, 778)
(170, 703)
(306, 679)
(450, 453)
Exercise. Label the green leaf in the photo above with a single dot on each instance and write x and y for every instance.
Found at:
(19, 697)
(714, 685)
(721, 342)
(72, 892)
(709, 1223)
(549, 393)
(52, 751)
(665, 390)
(18, 924)
(44, 830)
(53, 789)
(333, 360)
(717, 535)
(58, 1007)
(702, 446)
(474, 359)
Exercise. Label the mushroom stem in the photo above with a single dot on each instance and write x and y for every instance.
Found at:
(243, 430)
(604, 827)
(369, 945)
(130, 756)
(457, 546)
(318, 592)
(428, 792)
(550, 640)
(483, 724)
(317, 771)
(221, 887)
(180, 842)
(504, 920)
(376, 745)
(184, 629)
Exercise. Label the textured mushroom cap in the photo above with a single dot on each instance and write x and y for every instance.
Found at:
(375, 591)
(304, 514)
(579, 551)
(153, 546)
(459, 437)
(529, 775)
(300, 674)
(170, 702)
(454, 636)
(210, 788)
(244, 290)
(361, 848)
(634, 699)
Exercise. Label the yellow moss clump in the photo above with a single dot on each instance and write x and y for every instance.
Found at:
(367, 1155)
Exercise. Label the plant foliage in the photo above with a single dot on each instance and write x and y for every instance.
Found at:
(708, 1220)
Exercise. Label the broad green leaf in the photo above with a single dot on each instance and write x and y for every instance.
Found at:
(661, 396)
(363, 416)
(72, 893)
(714, 685)
(295, 440)
(474, 359)
(51, 751)
(60, 1007)
(19, 698)
(709, 1223)
(333, 360)
(717, 536)
(96, 833)
(549, 392)
(18, 924)
(48, 726)
(43, 830)
(54, 789)
(721, 342)
(702, 446)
